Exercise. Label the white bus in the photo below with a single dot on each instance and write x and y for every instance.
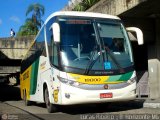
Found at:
(79, 57)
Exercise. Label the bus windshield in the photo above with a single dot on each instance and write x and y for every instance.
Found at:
(94, 45)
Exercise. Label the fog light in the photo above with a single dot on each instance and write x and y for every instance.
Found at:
(67, 95)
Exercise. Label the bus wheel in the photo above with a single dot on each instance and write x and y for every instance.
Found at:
(26, 102)
(50, 107)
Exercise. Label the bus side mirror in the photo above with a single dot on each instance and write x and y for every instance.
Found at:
(135, 34)
(56, 32)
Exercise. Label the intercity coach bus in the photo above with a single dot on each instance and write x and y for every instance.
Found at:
(77, 58)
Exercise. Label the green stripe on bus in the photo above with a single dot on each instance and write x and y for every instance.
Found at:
(34, 74)
(113, 78)
(126, 76)
(123, 77)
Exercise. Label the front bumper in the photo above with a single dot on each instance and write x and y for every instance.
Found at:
(72, 95)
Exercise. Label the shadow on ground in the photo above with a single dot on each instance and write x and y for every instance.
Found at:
(101, 108)
(9, 92)
(12, 93)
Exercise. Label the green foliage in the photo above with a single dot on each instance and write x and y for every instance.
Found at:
(33, 24)
(84, 5)
(37, 11)
(78, 7)
(29, 28)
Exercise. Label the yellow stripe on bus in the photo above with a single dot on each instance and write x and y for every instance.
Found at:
(89, 79)
(25, 80)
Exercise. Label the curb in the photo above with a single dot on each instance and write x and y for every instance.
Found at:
(152, 103)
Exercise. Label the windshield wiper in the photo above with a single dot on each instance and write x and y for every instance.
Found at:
(92, 61)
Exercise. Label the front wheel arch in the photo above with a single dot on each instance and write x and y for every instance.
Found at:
(50, 107)
(44, 87)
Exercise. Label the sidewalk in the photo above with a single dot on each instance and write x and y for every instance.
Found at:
(152, 103)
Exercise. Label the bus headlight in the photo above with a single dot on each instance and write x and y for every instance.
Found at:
(132, 80)
(68, 82)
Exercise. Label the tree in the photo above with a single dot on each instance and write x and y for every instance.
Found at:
(33, 24)
(88, 3)
(29, 28)
(84, 5)
(37, 11)
(79, 7)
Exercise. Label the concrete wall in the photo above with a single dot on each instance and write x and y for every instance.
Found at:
(14, 48)
(114, 7)
(154, 63)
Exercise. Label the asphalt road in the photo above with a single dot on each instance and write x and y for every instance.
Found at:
(12, 107)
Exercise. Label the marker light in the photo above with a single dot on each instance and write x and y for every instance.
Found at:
(132, 80)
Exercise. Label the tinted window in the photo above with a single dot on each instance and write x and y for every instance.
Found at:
(36, 50)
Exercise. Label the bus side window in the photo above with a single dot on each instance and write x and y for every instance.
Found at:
(54, 52)
(40, 44)
(44, 52)
(55, 55)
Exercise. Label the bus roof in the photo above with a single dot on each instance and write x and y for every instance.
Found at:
(82, 14)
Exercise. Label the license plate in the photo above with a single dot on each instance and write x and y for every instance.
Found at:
(106, 95)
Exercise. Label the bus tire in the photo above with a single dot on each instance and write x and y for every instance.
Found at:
(26, 102)
(50, 107)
